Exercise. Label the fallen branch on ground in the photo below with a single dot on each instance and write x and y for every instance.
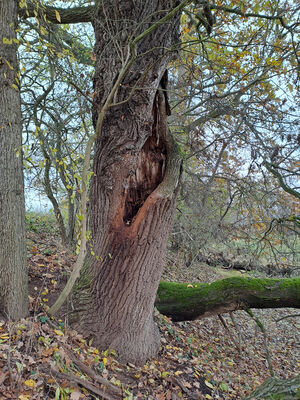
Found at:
(186, 302)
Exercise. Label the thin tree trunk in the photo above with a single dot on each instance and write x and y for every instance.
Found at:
(71, 219)
(186, 302)
(51, 197)
(133, 191)
(13, 272)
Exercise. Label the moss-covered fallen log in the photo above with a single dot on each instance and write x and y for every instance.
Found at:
(277, 389)
(185, 302)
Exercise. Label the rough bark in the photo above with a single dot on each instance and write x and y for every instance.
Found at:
(186, 302)
(134, 189)
(13, 272)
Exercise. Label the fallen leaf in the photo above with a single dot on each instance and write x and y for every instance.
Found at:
(30, 383)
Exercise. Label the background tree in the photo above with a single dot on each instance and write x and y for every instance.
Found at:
(235, 117)
(13, 271)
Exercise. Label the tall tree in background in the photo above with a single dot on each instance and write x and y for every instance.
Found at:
(13, 272)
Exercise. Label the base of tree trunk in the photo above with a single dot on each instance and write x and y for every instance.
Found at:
(131, 345)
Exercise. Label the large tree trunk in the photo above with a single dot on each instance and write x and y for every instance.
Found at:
(13, 273)
(134, 189)
(186, 302)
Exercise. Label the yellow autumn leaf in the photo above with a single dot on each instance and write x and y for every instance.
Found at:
(30, 383)
(208, 384)
(9, 65)
(57, 16)
(58, 332)
(104, 360)
(5, 336)
(178, 373)
(43, 30)
(7, 41)
(24, 397)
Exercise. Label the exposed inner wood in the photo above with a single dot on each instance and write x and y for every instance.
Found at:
(150, 166)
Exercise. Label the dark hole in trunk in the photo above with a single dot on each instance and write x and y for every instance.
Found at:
(149, 171)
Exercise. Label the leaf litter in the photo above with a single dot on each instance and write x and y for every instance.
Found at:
(213, 358)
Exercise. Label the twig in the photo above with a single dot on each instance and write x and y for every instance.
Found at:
(89, 386)
(237, 329)
(229, 333)
(183, 388)
(287, 316)
(88, 371)
(262, 329)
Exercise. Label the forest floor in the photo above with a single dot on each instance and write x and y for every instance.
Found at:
(213, 358)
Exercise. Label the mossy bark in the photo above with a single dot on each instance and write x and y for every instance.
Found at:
(184, 302)
(277, 389)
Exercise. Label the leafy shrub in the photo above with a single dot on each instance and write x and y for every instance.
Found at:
(41, 223)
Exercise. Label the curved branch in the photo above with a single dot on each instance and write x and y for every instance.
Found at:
(240, 12)
(66, 15)
(283, 185)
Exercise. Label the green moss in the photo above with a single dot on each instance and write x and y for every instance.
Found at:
(184, 298)
(174, 289)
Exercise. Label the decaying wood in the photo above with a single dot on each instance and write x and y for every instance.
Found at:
(185, 302)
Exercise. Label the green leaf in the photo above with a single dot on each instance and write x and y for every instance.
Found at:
(57, 393)
(43, 319)
(19, 367)
(223, 387)
(101, 366)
